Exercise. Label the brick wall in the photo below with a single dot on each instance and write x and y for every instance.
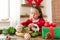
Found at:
(56, 10)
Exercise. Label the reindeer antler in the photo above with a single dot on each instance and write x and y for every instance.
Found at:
(37, 2)
(30, 2)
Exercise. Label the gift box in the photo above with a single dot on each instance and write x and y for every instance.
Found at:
(45, 30)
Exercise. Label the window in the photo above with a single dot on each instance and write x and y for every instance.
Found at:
(4, 9)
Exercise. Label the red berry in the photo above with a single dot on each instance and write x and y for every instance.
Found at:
(47, 24)
(53, 24)
(7, 36)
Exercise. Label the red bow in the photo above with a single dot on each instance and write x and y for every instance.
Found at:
(38, 2)
(52, 31)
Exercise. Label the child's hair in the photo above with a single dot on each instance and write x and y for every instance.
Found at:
(41, 16)
(39, 9)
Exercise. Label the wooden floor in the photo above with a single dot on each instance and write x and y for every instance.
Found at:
(37, 38)
(21, 38)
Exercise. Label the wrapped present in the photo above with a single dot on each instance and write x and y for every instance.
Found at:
(56, 30)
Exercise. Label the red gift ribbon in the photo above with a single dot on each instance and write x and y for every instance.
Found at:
(30, 2)
(52, 32)
(38, 2)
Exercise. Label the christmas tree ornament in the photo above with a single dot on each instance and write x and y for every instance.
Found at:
(53, 24)
(46, 24)
(27, 36)
(8, 37)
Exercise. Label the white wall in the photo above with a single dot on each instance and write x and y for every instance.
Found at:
(3, 9)
(14, 12)
(48, 10)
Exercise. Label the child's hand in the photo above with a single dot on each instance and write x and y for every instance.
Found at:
(30, 25)
(30, 31)
(19, 28)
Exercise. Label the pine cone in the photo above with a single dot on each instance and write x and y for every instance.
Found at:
(48, 37)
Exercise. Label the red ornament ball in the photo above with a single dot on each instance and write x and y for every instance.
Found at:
(53, 24)
(47, 24)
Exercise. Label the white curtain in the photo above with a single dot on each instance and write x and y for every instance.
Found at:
(48, 9)
(4, 9)
(10, 9)
(14, 12)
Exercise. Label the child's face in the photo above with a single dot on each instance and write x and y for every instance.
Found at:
(35, 13)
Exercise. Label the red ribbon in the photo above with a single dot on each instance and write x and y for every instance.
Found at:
(52, 32)
(30, 2)
(38, 2)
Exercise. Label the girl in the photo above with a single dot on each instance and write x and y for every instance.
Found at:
(36, 18)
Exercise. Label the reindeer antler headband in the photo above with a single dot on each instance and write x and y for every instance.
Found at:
(37, 4)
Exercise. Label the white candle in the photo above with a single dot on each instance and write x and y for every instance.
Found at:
(23, 2)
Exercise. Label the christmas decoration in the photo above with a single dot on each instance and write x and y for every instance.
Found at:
(30, 2)
(53, 24)
(38, 2)
(10, 31)
(35, 28)
(52, 31)
(28, 32)
(48, 36)
(27, 36)
(55, 32)
(4, 31)
(35, 34)
(8, 37)
(47, 24)
(24, 29)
